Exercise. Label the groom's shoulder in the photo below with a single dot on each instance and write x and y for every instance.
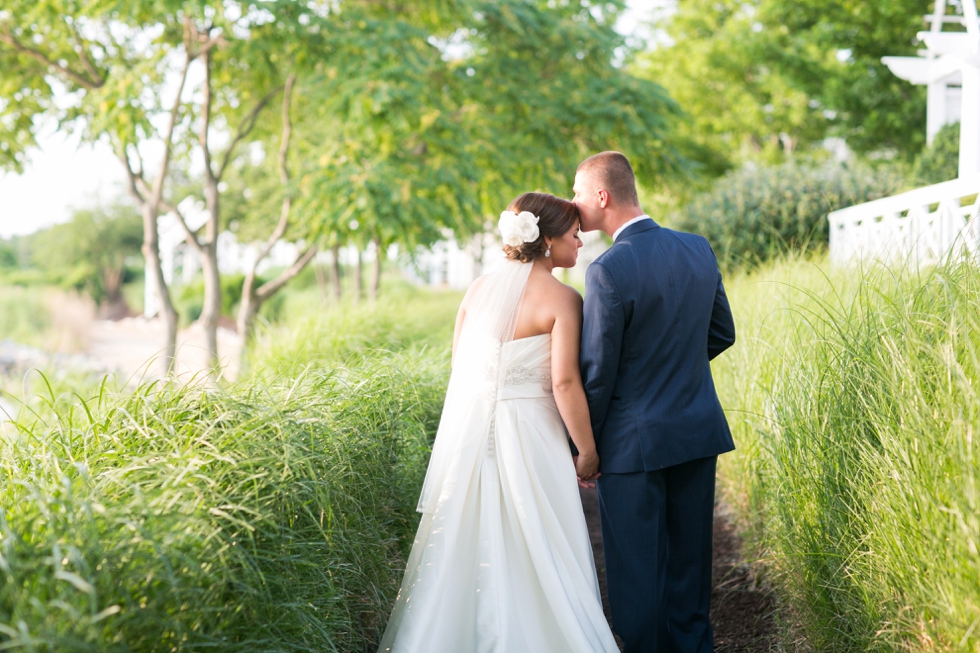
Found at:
(662, 244)
(686, 239)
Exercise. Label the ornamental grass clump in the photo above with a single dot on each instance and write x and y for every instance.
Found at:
(263, 517)
(311, 334)
(856, 410)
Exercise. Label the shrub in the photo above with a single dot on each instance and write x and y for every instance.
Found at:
(24, 315)
(190, 297)
(941, 160)
(756, 213)
(8, 254)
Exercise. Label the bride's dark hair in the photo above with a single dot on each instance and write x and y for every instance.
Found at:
(555, 217)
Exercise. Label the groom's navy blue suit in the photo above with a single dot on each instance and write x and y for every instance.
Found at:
(655, 314)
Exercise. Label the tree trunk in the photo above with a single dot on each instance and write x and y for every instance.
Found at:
(151, 250)
(322, 283)
(247, 312)
(253, 298)
(376, 271)
(211, 312)
(337, 289)
(359, 277)
(112, 283)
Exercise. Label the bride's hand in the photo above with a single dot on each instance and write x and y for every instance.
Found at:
(587, 468)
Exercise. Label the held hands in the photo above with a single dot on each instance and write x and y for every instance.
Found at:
(587, 468)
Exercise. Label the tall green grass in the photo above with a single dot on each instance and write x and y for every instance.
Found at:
(310, 333)
(270, 515)
(854, 400)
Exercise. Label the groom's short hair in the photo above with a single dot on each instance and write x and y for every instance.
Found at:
(612, 172)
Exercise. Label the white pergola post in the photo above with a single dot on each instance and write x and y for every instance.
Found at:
(970, 123)
(951, 59)
(970, 116)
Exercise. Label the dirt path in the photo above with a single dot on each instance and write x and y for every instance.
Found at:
(132, 346)
(741, 613)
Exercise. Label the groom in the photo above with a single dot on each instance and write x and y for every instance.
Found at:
(655, 313)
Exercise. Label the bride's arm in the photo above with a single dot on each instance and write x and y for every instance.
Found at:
(460, 316)
(566, 379)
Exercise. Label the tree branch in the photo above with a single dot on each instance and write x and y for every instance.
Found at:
(210, 43)
(269, 288)
(83, 55)
(157, 191)
(206, 118)
(189, 236)
(132, 177)
(76, 77)
(245, 128)
(287, 128)
(287, 202)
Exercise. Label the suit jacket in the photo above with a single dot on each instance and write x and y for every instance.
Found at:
(655, 313)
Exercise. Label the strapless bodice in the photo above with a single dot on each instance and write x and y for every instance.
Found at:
(511, 370)
(526, 368)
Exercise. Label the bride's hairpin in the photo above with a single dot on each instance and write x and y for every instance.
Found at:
(518, 228)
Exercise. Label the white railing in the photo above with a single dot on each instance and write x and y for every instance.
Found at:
(921, 227)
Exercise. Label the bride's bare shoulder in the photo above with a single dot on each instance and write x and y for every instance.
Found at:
(479, 281)
(562, 295)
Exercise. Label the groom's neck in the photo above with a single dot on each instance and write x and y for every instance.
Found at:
(617, 217)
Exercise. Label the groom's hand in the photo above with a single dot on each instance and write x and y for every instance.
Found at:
(586, 469)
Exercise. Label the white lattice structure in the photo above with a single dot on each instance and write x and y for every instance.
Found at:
(930, 224)
(920, 227)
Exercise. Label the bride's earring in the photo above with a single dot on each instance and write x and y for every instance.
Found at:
(547, 253)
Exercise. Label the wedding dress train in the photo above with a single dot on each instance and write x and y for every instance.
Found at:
(501, 561)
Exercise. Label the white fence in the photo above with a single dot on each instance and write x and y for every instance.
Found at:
(920, 227)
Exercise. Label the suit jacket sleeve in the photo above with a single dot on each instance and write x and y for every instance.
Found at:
(721, 332)
(603, 324)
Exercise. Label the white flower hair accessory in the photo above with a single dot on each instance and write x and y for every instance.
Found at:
(518, 228)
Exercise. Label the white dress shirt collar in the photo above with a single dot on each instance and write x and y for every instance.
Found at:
(631, 222)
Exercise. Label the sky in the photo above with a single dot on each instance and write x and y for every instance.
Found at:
(63, 175)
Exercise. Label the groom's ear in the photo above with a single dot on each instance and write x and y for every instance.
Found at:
(603, 197)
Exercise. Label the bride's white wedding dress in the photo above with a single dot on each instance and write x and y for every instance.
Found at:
(501, 561)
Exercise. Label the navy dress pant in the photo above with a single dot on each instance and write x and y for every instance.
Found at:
(656, 535)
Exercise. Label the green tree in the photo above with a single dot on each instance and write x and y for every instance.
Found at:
(125, 67)
(426, 139)
(114, 72)
(89, 253)
(549, 92)
(833, 48)
(390, 159)
(8, 255)
(256, 61)
(765, 78)
(396, 122)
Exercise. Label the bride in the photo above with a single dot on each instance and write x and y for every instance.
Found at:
(502, 562)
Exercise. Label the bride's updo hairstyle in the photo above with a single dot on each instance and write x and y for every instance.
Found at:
(555, 217)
